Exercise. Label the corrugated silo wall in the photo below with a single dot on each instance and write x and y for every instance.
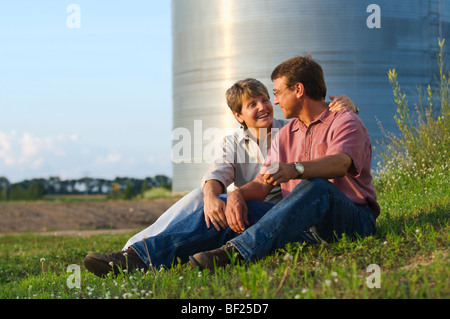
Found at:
(217, 42)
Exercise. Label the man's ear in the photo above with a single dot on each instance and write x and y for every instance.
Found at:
(299, 89)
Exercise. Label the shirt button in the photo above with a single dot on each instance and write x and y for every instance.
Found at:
(306, 154)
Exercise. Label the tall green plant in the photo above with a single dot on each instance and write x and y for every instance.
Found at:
(424, 140)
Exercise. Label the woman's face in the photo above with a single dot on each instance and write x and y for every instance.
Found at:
(257, 112)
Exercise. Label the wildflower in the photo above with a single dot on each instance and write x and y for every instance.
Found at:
(288, 257)
(328, 283)
(42, 264)
(304, 290)
(111, 264)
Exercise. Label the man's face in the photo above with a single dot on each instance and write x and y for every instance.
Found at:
(286, 98)
(257, 112)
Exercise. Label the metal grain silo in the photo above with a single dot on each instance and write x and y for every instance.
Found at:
(217, 42)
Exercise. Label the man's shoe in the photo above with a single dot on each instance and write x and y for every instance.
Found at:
(102, 264)
(219, 257)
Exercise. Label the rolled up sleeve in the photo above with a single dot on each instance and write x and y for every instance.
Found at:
(349, 138)
(223, 167)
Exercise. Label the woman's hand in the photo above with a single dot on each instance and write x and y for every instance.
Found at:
(214, 210)
(341, 102)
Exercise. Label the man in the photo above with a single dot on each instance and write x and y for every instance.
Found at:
(322, 162)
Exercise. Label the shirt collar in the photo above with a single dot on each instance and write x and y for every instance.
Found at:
(325, 117)
(243, 134)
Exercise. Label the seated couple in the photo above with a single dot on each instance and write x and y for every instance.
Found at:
(314, 185)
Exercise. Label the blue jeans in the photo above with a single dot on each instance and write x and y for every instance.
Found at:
(189, 235)
(313, 204)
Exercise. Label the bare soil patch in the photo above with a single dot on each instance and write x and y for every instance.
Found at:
(72, 218)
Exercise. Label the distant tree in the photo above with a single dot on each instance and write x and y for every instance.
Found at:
(163, 181)
(4, 185)
(17, 192)
(128, 193)
(35, 191)
(144, 187)
(120, 187)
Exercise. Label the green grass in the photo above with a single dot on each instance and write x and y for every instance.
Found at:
(410, 247)
(74, 198)
(157, 192)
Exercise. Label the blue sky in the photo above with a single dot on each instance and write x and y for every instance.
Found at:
(94, 100)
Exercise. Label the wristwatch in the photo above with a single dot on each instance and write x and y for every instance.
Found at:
(300, 169)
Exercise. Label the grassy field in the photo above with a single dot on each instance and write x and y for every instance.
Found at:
(406, 258)
(410, 249)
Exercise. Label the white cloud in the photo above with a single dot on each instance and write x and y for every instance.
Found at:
(5, 147)
(25, 155)
(27, 152)
(108, 159)
(29, 145)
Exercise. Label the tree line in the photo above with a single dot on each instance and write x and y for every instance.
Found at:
(120, 187)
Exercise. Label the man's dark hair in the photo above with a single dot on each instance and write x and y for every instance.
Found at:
(305, 70)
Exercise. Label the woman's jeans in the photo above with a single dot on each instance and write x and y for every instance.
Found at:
(314, 211)
(178, 211)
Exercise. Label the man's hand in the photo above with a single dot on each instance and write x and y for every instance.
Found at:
(236, 212)
(286, 172)
(214, 210)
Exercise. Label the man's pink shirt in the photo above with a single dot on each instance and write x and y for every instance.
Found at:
(330, 133)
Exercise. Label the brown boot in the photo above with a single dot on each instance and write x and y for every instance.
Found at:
(102, 264)
(219, 257)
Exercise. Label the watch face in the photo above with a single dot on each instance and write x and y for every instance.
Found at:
(299, 167)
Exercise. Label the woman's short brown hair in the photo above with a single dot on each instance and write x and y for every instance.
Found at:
(243, 90)
(305, 70)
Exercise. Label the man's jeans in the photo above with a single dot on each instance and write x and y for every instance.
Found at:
(313, 204)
